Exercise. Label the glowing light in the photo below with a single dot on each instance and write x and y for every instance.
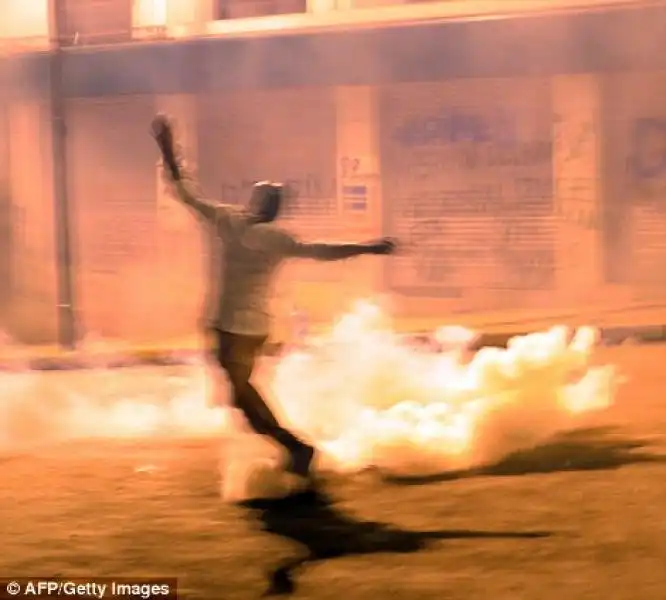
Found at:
(371, 400)
(149, 13)
(24, 19)
(360, 392)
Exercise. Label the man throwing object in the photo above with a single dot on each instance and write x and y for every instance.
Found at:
(254, 248)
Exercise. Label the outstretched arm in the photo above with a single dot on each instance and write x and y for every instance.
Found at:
(180, 185)
(331, 252)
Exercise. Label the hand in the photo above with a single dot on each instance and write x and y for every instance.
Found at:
(383, 246)
(162, 131)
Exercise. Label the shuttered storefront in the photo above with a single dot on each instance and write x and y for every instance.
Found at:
(635, 243)
(467, 182)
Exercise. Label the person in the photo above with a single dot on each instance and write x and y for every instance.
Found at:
(254, 248)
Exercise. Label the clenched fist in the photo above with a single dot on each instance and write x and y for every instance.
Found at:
(162, 131)
(383, 246)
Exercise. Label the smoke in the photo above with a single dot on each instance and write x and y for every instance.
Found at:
(38, 409)
(363, 394)
(370, 399)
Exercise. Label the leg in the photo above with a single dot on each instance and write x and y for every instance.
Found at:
(237, 355)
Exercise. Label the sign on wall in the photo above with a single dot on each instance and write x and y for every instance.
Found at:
(281, 135)
(467, 182)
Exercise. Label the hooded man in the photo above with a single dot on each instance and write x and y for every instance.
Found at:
(254, 249)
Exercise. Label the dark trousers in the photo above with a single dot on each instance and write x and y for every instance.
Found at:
(236, 354)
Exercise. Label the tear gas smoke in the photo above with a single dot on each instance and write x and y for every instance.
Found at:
(360, 392)
(370, 399)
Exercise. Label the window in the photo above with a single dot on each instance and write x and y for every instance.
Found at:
(95, 21)
(23, 19)
(240, 9)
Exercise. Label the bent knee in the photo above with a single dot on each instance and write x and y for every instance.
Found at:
(239, 377)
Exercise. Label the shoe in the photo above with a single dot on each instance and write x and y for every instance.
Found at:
(301, 461)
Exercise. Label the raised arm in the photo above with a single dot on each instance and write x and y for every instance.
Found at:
(211, 211)
(180, 185)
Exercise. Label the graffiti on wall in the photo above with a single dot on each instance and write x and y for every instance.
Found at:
(646, 159)
(309, 194)
(451, 125)
(492, 253)
(474, 141)
(471, 191)
(646, 213)
(294, 143)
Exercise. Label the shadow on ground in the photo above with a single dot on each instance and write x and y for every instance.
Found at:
(600, 448)
(325, 532)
